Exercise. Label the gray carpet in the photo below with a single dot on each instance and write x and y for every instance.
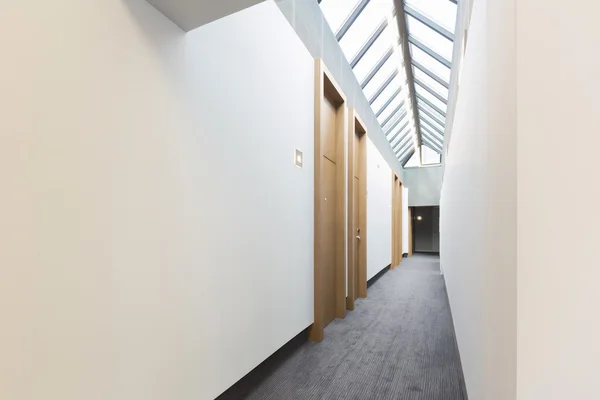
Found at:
(398, 343)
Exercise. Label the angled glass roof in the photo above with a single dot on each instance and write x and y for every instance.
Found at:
(367, 31)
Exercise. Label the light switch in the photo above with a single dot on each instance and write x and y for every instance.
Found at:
(298, 158)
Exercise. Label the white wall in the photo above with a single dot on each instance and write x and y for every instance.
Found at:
(379, 211)
(425, 184)
(155, 239)
(478, 206)
(405, 217)
(558, 268)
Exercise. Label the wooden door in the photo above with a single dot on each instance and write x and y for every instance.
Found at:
(396, 221)
(357, 210)
(329, 202)
(329, 194)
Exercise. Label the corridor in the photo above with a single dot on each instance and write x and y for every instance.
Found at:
(397, 344)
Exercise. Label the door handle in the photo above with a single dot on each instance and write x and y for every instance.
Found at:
(358, 237)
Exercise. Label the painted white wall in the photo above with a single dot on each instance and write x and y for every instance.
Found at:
(425, 184)
(405, 219)
(558, 268)
(156, 238)
(478, 205)
(379, 211)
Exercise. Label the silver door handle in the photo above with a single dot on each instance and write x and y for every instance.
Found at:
(358, 237)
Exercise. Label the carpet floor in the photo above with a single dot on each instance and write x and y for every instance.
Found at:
(398, 343)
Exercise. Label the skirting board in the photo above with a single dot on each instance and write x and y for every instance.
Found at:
(253, 378)
(378, 275)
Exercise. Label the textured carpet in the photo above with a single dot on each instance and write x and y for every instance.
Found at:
(398, 343)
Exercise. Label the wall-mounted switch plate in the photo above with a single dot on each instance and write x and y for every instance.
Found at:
(298, 158)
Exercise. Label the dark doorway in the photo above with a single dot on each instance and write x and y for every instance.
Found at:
(426, 229)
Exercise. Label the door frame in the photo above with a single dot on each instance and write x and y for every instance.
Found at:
(396, 220)
(325, 87)
(357, 135)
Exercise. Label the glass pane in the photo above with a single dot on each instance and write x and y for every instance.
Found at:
(441, 11)
(374, 13)
(427, 129)
(430, 156)
(435, 139)
(430, 63)
(431, 98)
(429, 37)
(386, 94)
(336, 12)
(403, 137)
(425, 106)
(390, 66)
(430, 82)
(374, 54)
(390, 108)
(405, 149)
(430, 121)
(413, 161)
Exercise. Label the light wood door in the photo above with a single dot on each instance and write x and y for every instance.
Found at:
(357, 210)
(358, 239)
(328, 190)
(396, 221)
(329, 202)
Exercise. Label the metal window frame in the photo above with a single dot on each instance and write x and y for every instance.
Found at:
(402, 143)
(432, 129)
(367, 45)
(405, 145)
(427, 119)
(392, 114)
(382, 87)
(434, 145)
(389, 101)
(424, 93)
(431, 115)
(395, 123)
(433, 138)
(442, 60)
(430, 104)
(431, 74)
(431, 24)
(407, 157)
(432, 148)
(354, 14)
(398, 132)
(380, 63)
(431, 91)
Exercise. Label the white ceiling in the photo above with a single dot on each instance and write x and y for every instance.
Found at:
(190, 14)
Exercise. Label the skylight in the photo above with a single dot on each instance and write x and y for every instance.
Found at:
(367, 31)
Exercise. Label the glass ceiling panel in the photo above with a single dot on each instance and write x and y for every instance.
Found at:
(373, 55)
(386, 94)
(367, 22)
(433, 129)
(430, 121)
(441, 11)
(429, 156)
(390, 108)
(430, 63)
(390, 66)
(430, 82)
(423, 106)
(368, 35)
(402, 138)
(429, 37)
(336, 12)
(429, 97)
